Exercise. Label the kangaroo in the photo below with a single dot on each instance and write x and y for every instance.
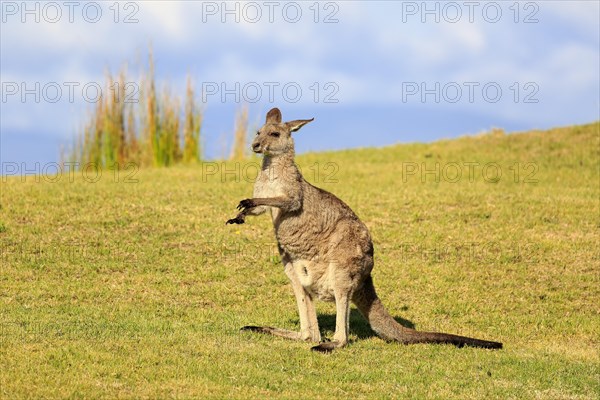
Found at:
(326, 250)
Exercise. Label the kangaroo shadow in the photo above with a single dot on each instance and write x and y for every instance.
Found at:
(358, 324)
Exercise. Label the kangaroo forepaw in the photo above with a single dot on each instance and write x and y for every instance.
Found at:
(246, 204)
(237, 220)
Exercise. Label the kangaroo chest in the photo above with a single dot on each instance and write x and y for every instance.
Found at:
(268, 185)
(315, 275)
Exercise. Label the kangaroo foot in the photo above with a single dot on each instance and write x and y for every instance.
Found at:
(284, 333)
(327, 347)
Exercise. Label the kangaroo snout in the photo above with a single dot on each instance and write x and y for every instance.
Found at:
(256, 147)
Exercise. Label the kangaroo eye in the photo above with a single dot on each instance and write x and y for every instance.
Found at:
(276, 134)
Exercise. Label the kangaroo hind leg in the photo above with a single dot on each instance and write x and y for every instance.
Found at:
(342, 322)
(309, 326)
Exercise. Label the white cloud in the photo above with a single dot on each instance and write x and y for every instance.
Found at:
(171, 19)
(367, 34)
(580, 15)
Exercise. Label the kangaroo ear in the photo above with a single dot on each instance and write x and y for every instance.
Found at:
(297, 124)
(274, 116)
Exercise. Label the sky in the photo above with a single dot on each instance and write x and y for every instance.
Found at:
(371, 73)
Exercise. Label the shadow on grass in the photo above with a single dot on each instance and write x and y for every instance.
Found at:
(358, 324)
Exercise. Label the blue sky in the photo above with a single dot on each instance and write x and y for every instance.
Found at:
(371, 73)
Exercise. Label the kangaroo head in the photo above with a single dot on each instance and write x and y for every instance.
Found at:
(275, 137)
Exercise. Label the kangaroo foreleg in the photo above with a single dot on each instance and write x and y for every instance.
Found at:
(281, 202)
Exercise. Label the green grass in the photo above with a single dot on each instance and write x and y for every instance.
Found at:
(137, 290)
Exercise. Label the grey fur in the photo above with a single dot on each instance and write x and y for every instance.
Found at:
(325, 248)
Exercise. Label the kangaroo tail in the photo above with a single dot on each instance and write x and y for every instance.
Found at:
(387, 328)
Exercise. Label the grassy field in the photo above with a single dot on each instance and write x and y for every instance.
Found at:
(132, 286)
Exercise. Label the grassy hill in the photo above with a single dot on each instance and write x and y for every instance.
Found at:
(133, 286)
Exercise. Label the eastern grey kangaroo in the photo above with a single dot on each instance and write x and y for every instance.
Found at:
(325, 248)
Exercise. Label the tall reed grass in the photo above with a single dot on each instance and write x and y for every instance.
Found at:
(135, 122)
(240, 136)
